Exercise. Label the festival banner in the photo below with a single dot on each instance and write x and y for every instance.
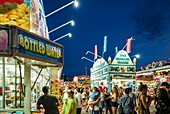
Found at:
(95, 52)
(129, 45)
(116, 50)
(105, 44)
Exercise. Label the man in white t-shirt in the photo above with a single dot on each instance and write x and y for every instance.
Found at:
(79, 101)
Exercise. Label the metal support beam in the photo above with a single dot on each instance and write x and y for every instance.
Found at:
(36, 79)
(48, 80)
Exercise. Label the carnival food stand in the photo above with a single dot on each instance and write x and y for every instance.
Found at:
(99, 73)
(121, 71)
(28, 59)
(24, 60)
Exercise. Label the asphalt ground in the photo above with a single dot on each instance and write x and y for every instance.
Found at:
(152, 109)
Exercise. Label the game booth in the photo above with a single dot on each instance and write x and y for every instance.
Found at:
(121, 71)
(28, 59)
(154, 75)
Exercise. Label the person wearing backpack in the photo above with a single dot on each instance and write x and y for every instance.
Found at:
(126, 103)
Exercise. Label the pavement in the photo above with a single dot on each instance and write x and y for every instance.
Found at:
(152, 109)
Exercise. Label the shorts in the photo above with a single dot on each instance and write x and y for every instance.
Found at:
(101, 104)
(107, 105)
(115, 104)
(93, 111)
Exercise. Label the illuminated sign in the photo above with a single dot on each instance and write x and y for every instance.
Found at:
(122, 58)
(122, 69)
(38, 48)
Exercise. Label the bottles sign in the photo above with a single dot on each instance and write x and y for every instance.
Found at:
(40, 48)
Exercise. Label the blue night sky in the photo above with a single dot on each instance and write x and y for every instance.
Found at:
(148, 21)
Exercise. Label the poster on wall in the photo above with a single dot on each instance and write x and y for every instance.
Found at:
(15, 12)
(34, 16)
(27, 14)
(4, 40)
(43, 29)
(37, 19)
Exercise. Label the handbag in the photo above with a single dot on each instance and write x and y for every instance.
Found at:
(120, 109)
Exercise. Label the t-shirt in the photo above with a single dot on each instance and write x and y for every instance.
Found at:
(102, 96)
(84, 95)
(71, 106)
(79, 99)
(127, 104)
(133, 96)
(94, 95)
(49, 103)
(65, 96)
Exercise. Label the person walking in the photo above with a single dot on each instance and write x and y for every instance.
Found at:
(107, 101)
(65, 98)
(133, 96)
(71, 103)
(79, 101)
(48, 101)
(115, 97)
(126, 103)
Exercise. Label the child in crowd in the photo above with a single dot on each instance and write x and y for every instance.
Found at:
(94, 95)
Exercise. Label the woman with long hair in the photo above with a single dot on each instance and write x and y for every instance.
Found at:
(107, 101)
(115, 96)
(162, 101)
(144, 101)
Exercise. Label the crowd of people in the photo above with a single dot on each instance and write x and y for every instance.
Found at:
(98, 100)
